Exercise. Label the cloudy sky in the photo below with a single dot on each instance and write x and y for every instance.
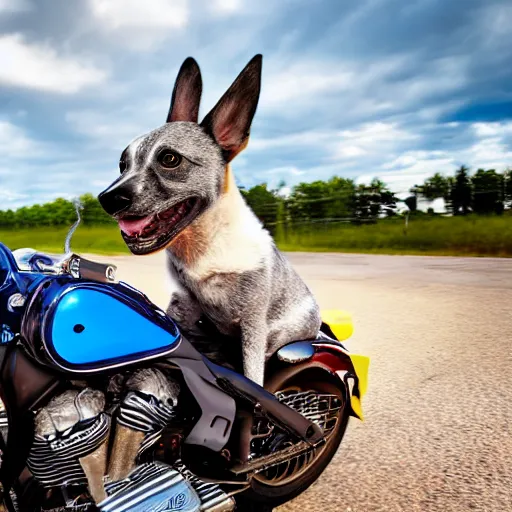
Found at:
(358, 88)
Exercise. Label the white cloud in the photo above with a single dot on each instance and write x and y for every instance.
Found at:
(14, 143)
(285, 191)
(14, 5)
(351, 151)
(39, 67)
(100, 183)
(354, 90)
(409, 159)
(304, 81)
(440, 77)
(10, 6)
(29, 182)
(104, 130)
(492, 129)
(490, 152)
(372, 139)
(405, 160)
(495, 27)
(377, 131)
(11, 198)
(226, 6)
(306, 138)
(486, 147)
(486, 129)
(133, 14)
(411, 168)
(491, 147)
(289, 170)
(358, 141)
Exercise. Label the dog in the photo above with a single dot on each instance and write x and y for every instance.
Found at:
(177, 193)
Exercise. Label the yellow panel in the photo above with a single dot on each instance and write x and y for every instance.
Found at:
(361, 365)
(340, 323)
(356, 407)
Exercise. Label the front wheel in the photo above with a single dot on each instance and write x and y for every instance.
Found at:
(304, 390)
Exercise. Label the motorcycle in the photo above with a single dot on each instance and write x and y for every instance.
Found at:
(108, 407)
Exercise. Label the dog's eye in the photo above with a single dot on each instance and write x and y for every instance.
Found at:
(168, 159)
(122, 166)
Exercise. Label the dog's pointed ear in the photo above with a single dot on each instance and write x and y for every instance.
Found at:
(186, 95)
(229, 122)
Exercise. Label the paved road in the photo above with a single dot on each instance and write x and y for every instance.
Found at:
(437, 435)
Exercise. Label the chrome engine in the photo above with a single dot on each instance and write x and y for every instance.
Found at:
(157, 487)
(71, 452)
(152, 486)
(147, 408)
(70, 443)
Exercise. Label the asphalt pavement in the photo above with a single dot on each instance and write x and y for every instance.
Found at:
(437, 434)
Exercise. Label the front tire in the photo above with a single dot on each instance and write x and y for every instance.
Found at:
(265, 493)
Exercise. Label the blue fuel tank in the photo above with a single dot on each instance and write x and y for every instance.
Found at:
(85, 326)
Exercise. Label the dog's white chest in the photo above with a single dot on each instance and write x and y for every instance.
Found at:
(239, 244)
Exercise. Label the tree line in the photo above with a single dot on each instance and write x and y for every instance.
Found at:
(484, 192)
(60, 212)
(333, 199)
(336, 199)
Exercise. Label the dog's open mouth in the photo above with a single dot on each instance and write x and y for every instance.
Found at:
(147, 234)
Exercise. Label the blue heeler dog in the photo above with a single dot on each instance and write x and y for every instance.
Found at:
(177, 192)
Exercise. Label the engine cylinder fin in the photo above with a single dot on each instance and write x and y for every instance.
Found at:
(56, 461)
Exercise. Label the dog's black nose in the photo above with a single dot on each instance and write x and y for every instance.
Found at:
(116, 200)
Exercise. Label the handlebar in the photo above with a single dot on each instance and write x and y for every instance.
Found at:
(81, 268)
(29, 260)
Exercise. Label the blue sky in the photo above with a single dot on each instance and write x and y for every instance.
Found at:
(357, 88)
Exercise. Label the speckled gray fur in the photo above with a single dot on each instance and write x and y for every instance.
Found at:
(200, 174)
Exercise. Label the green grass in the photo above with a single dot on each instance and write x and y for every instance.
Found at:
(471, 236)
(95, 240)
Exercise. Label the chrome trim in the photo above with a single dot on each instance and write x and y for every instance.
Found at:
(73, 267)
(110, 273)
(16, 300)
(296, 352)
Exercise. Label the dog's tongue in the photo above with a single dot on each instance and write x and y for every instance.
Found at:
(134, 227)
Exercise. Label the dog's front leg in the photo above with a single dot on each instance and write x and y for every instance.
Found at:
(254, 347)
(254, 341)
(183, 307)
